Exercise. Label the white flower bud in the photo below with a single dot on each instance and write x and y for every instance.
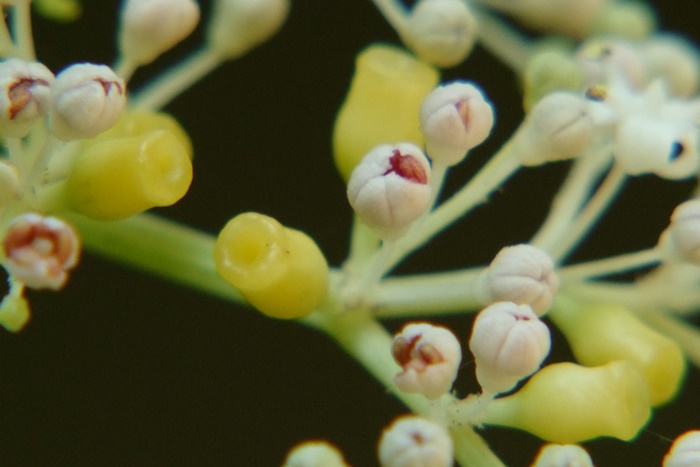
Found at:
(685, 451)
(681, 240)
(602, 58)
(314, 454)
(151, 27)
(441, 32)
(509, 343)
(645, 145)
(87, 99)
(413, 441)
(454, 118)
(25, 96)
(390, 188)
(39, 251)
(239, 25)
(521, 274)
(563, 455)
(676, 61)
(558, 127)
(430, 357)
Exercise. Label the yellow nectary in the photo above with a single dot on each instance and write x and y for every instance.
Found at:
(115, 178)
(568, 403)
(280, 271)
(382, 105)
(602, 333)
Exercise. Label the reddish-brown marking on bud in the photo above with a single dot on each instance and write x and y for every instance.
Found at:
(20, 95)
(407, 167)
(418, 358)
(401, 349)
(107, 85)
(463, 111)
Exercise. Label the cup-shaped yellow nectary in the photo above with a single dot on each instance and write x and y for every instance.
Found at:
(382, 105)
(568, 403)
(279, 270)
(115, 178)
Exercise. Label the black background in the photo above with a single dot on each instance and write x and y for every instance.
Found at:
(124, 369)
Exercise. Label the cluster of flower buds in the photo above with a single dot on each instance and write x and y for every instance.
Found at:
(509, 343)
(522, 274)
(150, 27)
(562, 455)
(390, 188)
(39, 251)
(314, 454)
(25, 96)
(429, 356)
(685, 451)
(454, 118)
(280, 271)
(415, 441)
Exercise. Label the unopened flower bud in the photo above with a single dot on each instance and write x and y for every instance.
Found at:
(601, 59)
(414, 441)
(558, 127)
(280, 271)
(390, 188)
(382, 104)
(521, 274)
(562, 455)
(509, 343)
(14, 312)
(681, 240)
(58, 10)
(645, 145)
(240, 25)
(676, 61)
(685, 451)
(547, 71)
(314, 454)
(151, 27)
(454, 118)
(25, 96)
(441, 32)
(39, 251)
(568, 403)
(430, 356)
(87, 100)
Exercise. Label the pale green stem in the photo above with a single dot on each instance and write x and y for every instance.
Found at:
(635, 296)
(124, 68)
(394, 12)
(370, 344)
(596, 206)
(22, 30)
(571, 196)
(427, 295)
(159, 92)
(502, 41)
(7, 48)
(40, 164)
(613, 265)
(15, 150)
(685, 334)
(363, 244)
(491, 177)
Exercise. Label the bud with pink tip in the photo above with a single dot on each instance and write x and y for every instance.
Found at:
(413, 441)
(685, 451)
(25, 96)
(563, 455)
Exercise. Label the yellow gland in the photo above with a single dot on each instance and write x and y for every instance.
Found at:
(14, 312)
(382, 104)
(568, 403)
(602, 333)
(59, 10)
(117, 178)
(280, 271)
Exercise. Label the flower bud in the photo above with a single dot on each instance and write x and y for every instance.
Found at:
(87, 100)
(567, 403)
(681, 240)
(25, 96)
(645, 145)
(509, 343)
(629, 19)
(562, 455)
(240, 25)
(685, 451)
(454, 118)
(600, 334)
(430, 357)
(441, 32)
(558, 127)
(314, 454)
(280, 271)
(14, 312)
(390, 188)
(548, 71)
(601, 59)
(382, 105)
(151, 27)
(39, 251)
(676, 61)
(58, 10)
(521, 274)
(414, 441)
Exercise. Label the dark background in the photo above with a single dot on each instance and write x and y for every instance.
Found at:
(124, 369)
